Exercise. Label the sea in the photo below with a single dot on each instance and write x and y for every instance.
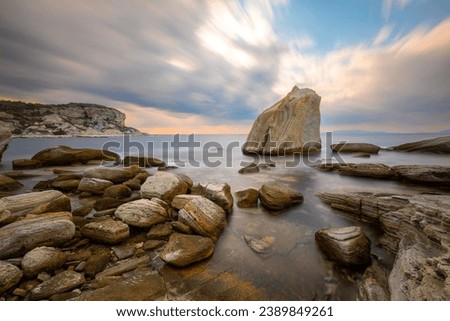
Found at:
(294, 269)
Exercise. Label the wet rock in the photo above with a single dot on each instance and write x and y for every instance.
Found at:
(143, 161)
(108, 231)
(247, 198)
(52, 229)
(97, 263)
(160, 232)
(346, 245)
(60, 283)
(179, 201)
(374, 285)
(218, 192)
(142, 213)
(182, 249)
(277, 197)
(34, 203)
(5, 140)
(439, 145)
(19, 164)
(42, 259)
(362, 155)
(423, 174)
(204, 217)
(261, 245)
(115, 175)
(10, 275)
(355, 148)
(117, 191)
(164, 186)
(8, 184)
(94, 185)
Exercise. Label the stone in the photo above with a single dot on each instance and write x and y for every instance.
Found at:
(8, 184)
(348, 246)
(355, 148)
(187, 180)
(83, 210)
(424, 174)
(261, 245)
(97, 263)
(218, 192)
(124, 251)
(143, 161)
(183, 250)
(66, 156)
(179, 201)
(66, 185)
(34, 203)
(117, 191)
(247, 198)
(42, 259)
(19, 164)
(164, 186)
(142, 176)
(60, 283)
(5, 140)
(10, 275)
(204, 217)
(124, 266)
(160, 232)
(94, 185)
(439, 145)
(181, 227)
(374, 284)
(53, 229)
(105, 203)
(108, 231)
(368, 170)
(142, 213)
(65, 296)
(152, 244)
(249, 169)
(277, 197)
(291, 125)
(115, 175)
(133, 184)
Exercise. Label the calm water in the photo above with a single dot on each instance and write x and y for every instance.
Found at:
(295, 269)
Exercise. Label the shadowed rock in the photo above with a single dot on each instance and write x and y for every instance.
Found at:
(10, 275)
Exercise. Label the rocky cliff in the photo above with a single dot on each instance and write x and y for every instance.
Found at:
(74, 119)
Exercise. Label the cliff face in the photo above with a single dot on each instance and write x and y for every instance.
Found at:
(74, 119)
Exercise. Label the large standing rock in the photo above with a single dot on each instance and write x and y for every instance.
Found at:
(439, 145)
(142, 213)
(277, 197)
(5, 139)
(108, 231)
(94, 185)
(182, 249)
(346, 245)
(52, 229)
(42, 259)
(218, 192)
(164, 186)
(60, 283)
(8, 184)
(33, 203)
(291, 125)
(115, 175)
(355, 148)
(10, 275)
(204, 217)
(65, 156)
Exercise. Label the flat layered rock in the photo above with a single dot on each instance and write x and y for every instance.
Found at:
(278, 197)
(142, 213)
(346, 245)
(117, 191)
(42, 259)
(423, 174)
(115, 175)
(10, 275)
(179, 201)
(52, 229)
(247, 198)
(439, 145)
(355, 148)
(94, 185)
(368, 170)
(19, 164)
(108, 231)
(164, 186)
(143, 161)
(183, 250)
(8, 184)
(60, 283)
(218, 192)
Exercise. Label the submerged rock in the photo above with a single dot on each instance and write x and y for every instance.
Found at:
(439, 145)
(182, 249)
(261, 245)
(291, 125)
(218, 192)
(277, 197)
(164, 186)
(355, 148)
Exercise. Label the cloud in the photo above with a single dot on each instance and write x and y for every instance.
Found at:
(388, 4)
(382, 35)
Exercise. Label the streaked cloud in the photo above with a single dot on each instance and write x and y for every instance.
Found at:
(389, 4)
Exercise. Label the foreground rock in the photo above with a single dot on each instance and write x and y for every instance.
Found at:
(8, 184)
(182, 249)
(439, 145)
(10, 275)
(247, 198)
(218, 192)
(164, 186)
(355, 148)
(108, 231)
(291, 125)
(142, 213)
(66, 156)
(204, 217)
(5, 139)
(346, 245)
(42, 259)
(278, 197)
(52, 229)
(60, 283)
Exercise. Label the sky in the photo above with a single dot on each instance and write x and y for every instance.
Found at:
(193, 66)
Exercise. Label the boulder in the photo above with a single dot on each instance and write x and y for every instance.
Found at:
(179, 201)
(10, 275)
(66, 185)
(106, 203)
(97, 263)
(19, 164)
(66, 156)
(424, 174)
(42, 259)
(94, 185)
(277, 197)
(115, 175)
(133, 184)
(108, 231)
(348, 246)
(247, 198)
(439, 145)
(164, 186)
(160, 232)
(291, 125)
(117, 191)
(143, 161)
(34, 203)
(204, 217)
(60, 283)
(53, 229)
(5, 139)
(218, 192)
(355, 148)
(8, 184)
(142, 213)
(368, 170)
(183, 250)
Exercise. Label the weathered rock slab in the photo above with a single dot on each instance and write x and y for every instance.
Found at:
(60, 283)
(94, 185)
(108, 231)
(42, 259)
(182, 249)
(5, 139)
(278, 197)
(142, 213)
(355, 148)
(115, 175)
(439, 145)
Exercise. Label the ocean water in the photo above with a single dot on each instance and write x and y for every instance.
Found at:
(295, 269)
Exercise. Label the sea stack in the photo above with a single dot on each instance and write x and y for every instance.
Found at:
(292, 125)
